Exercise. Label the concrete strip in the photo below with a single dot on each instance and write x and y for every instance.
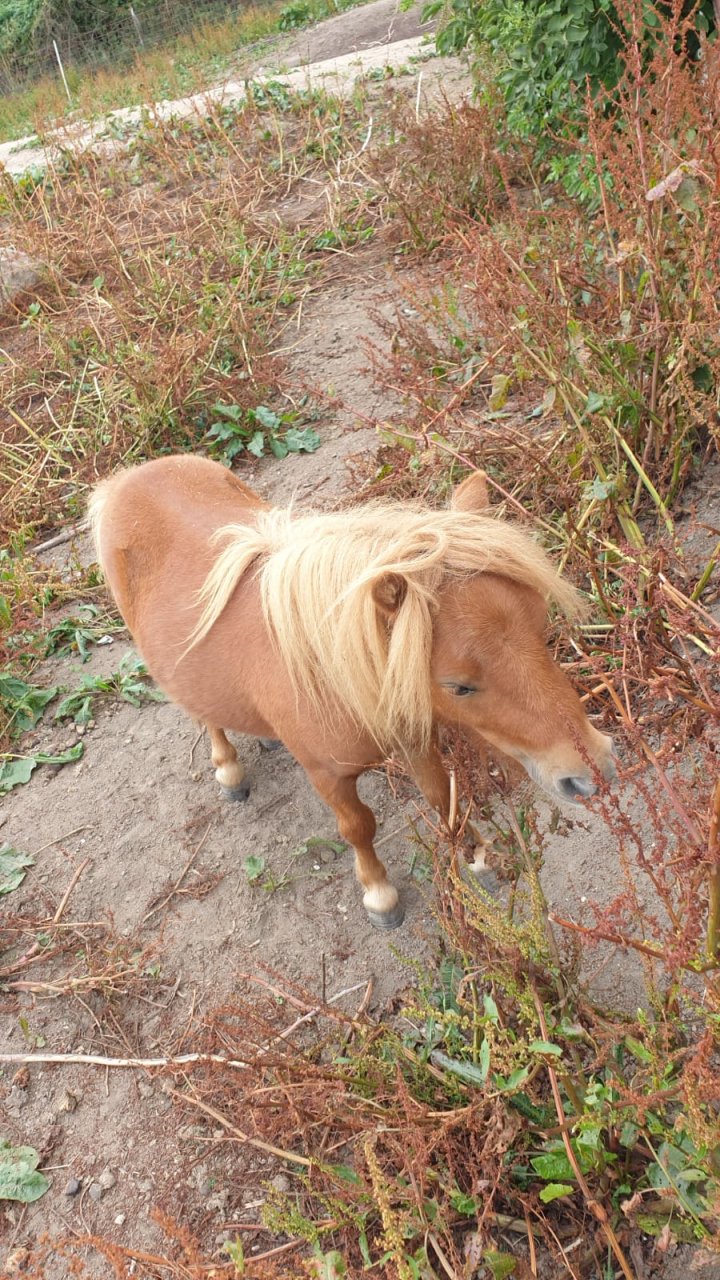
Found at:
(336, 75)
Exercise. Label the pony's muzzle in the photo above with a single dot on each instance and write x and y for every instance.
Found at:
(575, 789)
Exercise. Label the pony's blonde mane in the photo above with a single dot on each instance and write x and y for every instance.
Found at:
(319, 577)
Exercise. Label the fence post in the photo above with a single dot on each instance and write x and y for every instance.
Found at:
(138, 28)
(62, 71)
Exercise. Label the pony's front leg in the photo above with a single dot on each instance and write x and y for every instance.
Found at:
(228, 769)
(356, 824)
(432, 778)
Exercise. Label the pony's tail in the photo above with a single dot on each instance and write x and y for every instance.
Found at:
(95, 510)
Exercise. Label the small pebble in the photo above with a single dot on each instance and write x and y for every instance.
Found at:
(106, 1180)
(120, 1220)
(72, 1187)
(95, 1192)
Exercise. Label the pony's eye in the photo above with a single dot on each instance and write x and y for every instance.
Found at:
(462, 690)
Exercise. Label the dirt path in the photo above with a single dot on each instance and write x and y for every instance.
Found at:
(331, 56)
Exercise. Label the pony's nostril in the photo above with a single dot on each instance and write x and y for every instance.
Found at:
(575, 789)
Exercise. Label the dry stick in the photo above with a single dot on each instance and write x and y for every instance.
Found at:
(184, 1059)
(596, 1208)
(713, 926)
(60, 839)
(531, 1242)
(59, 538)
(292, 1156)
(180, 878)
(35, 948)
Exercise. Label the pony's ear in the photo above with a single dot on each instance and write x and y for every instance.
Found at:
(472, 494)
(389, 593)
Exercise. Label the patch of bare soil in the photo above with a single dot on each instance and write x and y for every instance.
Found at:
(359, 28)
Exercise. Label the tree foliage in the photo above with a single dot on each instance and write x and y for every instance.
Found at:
(25, 24)
(547, 51)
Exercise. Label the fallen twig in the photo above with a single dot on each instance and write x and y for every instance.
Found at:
(168, 897)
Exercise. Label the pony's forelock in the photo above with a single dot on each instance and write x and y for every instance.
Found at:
(319, 577)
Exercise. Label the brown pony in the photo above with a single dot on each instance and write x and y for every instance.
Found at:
(345, 635)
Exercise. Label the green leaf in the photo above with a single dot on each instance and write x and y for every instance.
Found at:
(500, 1264)
(594, 403)
(13, 866)
(24, 702)
(236, 1253)
(13, 773)
(345, 1172)
(278, 447)
(254, 867)
(490, 1009)
(267, 419)
(515, 1079)
(332, 1266)
(544, 1046)
(466, 1071)
(638, 1050)
(554, 1190)
(302, 440)
(553, 1167)
(256, 444)
(19, 1177)
(601, 489)
(231, 411)
(65, 757)
(463, 1204)
(629, 1134)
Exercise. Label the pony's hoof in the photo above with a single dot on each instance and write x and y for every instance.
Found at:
(236, 793)
(387, 919)
(270, 744)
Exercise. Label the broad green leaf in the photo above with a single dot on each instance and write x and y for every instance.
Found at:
(256, 444)
(345, 1172)
(544, 1046)
(18, 770)
(278, 447)
(267, 419)
(554, 1190)
(595, 402)
(466, 1071)
(302, 440)
(24, 702)
(554, 1167)
(601, 489)
(13, 773)
(463, 1204)
(638, 1049)
(254, 867)
(19, 1176)
(13, 868)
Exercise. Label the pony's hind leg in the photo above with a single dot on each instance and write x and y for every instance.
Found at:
(356, 824)
(228, 769)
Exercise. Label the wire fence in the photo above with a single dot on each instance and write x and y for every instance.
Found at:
(62, 48)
